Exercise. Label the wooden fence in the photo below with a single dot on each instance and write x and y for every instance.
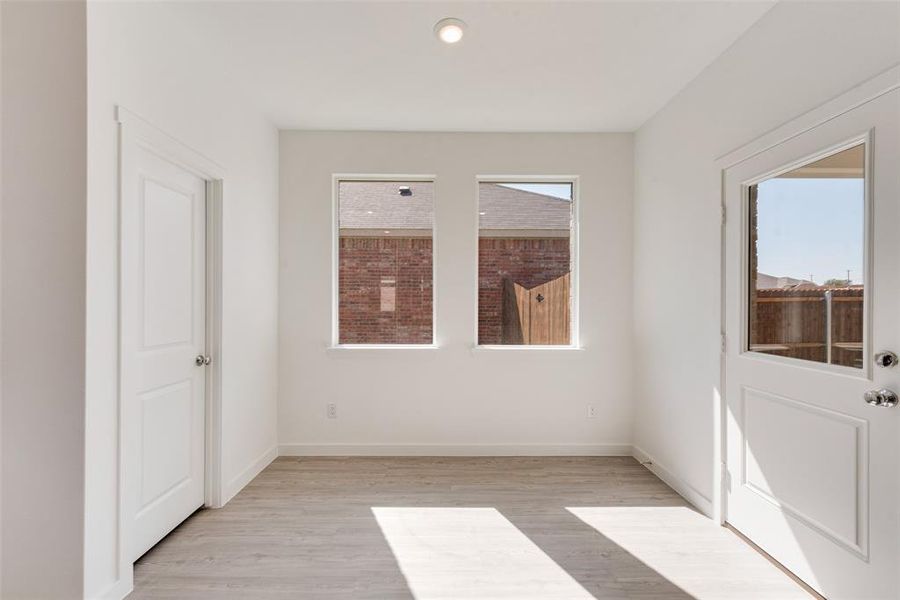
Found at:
(819, 324)
(539, 315)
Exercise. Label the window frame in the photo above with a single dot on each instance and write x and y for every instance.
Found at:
(336, 180)
(574, 257)
(865, 371)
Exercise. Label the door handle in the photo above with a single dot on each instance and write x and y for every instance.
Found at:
(883, 397)
(202, 360)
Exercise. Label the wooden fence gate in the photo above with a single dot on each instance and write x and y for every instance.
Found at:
(539, 315)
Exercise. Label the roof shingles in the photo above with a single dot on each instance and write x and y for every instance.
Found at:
(373, 205)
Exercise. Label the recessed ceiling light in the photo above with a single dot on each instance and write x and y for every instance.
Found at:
(482, 213)
(449, 30)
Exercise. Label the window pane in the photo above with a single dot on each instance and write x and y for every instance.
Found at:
(385, 262)
(806, 283)
(524, 263)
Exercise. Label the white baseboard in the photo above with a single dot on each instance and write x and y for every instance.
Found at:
(118, 590)
(246, 476)
(686, 490)
(455, 450)
(121, 588)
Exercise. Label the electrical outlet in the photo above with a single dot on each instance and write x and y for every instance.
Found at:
(331, 410)
(591, 411)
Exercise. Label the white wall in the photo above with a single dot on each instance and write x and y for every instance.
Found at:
(43, 261)
(454, 400)
(141, 56)
(796, 57)
(1, 301)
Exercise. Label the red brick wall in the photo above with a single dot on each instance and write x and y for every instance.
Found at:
(365, 264)
(528, 262)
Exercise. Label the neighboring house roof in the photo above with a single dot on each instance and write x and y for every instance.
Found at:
(509, 208)
(770, 282)
(378, 205)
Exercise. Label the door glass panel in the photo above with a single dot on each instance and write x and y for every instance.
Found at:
(806, 275)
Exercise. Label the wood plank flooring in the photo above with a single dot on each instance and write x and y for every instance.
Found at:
(542, 528)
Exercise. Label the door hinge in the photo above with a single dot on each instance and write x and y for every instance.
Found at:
(723, 214)
(723, 343)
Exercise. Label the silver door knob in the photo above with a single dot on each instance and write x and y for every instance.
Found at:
(883, 397)
(202, 360)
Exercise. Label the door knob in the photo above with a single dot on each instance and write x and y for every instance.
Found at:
(883, 397)
(202, 360)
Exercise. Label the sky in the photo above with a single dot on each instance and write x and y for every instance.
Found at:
(811, 227)
(807, 227)
(557, 190)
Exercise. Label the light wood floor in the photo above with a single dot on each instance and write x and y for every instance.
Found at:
(456, 529)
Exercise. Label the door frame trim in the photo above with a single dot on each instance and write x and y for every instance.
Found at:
(133, 132)
(883, 83)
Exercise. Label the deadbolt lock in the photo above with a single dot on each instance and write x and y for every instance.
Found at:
(886, 359)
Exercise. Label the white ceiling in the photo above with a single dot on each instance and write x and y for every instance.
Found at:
(522, 66)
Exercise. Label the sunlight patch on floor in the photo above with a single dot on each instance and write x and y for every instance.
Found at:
(469, 553)
(665, 539)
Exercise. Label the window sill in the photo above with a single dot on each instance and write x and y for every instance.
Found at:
(533, 348)
(379, 347)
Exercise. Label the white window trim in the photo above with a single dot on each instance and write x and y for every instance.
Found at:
(574, 246)
(526, 348)
(864, 139)
(335, 344)
(362, 348)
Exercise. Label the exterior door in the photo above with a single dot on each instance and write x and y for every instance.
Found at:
(163, 275)
(812, 277)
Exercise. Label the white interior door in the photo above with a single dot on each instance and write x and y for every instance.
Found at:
(163, 344)
(812, 281)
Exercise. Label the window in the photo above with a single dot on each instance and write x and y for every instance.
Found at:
(525, 263)
(806, 264)
(385, 272)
